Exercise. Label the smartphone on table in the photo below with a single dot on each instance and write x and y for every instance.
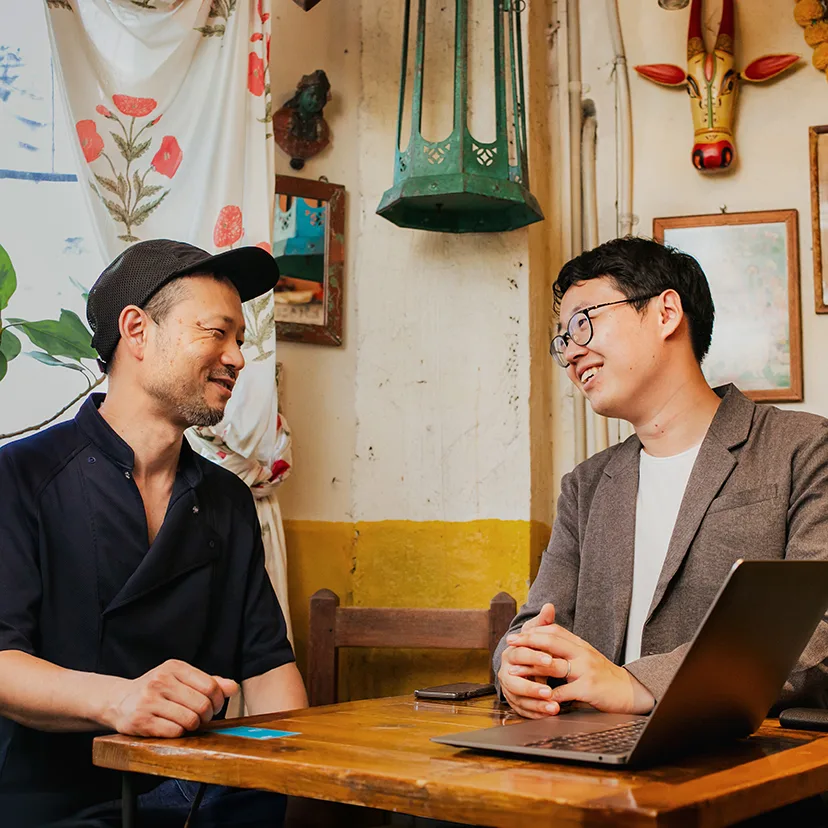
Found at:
(455, 692)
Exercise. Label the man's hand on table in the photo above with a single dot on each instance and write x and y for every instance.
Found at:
(167, 701)
(543, 649)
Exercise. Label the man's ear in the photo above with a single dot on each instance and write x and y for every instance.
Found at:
(670, 311)
(133, 324)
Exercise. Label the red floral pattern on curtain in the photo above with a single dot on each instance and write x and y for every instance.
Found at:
(134, 198)
(91, 143)
(168, 158)
(228, 229)
(134, 107)
(278, 470)
(255, 74)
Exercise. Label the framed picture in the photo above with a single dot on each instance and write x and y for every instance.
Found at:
(309, 246)
(751, 262)
(818, 139)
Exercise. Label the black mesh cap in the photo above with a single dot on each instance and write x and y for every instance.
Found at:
(145, 267)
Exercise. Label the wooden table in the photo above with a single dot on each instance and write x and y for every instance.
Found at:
(377, 753)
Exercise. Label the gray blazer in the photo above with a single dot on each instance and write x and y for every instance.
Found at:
(758, 489)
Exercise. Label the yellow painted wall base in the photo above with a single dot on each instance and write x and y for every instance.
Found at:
(399, 563)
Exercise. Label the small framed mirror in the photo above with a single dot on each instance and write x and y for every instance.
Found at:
(309, 246)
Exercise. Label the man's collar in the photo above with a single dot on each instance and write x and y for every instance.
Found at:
(733, 418)
(730, 426)
(101, 433)
(105, 437)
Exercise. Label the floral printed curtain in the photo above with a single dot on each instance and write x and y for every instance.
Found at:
(171, 105)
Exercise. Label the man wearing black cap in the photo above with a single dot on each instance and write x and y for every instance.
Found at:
(133, 593)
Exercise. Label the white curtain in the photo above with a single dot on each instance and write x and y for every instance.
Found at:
(171, 105)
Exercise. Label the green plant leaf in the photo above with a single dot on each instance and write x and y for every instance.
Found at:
(83, 290)
(141, 214)
(4, 365)
(65, 337)
(151, 189)
(211, 31)
(260, 304)
(140, 149)
(108, 184)
(122, 145)
(8, 278)
(75, 324)
(9, 345)
(48, 359)
(268, 328)
(137, 186)
(116, 211)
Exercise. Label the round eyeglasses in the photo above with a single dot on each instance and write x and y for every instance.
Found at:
(579, 328)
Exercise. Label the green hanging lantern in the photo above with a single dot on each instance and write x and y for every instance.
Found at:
(460, 184)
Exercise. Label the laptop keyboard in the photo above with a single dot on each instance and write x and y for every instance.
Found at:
(618, 739)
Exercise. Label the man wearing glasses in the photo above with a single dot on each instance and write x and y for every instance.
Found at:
(647, 530)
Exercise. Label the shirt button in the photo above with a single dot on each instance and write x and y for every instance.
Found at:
(90, 460)
(195, 510)
(127, 475)
(212, 544)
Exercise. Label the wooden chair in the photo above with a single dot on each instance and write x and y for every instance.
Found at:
(332, 627)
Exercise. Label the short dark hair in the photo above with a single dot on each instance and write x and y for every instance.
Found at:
(165, 298)
(170, 294)
(643, 267)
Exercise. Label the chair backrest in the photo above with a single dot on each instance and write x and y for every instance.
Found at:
(332, 627)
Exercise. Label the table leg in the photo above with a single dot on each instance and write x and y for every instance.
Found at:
(128, 801)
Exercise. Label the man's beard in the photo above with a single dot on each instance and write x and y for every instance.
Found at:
(186, 404)
(198, 413)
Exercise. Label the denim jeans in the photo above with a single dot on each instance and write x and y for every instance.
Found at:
(168, 805)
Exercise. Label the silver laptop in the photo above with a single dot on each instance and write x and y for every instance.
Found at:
(748, 643)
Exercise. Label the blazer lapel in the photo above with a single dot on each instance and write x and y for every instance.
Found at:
(714, 464)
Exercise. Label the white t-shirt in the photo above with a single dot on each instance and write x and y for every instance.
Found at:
(661, 485)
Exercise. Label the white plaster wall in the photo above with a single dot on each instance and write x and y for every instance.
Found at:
(423, 413)
(317, 397)
(442, 375)
(772, 171)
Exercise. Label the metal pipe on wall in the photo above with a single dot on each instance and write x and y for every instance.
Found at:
(623, 109)
(597, 426)
(588, 175)
(573, 42)
(618, 430)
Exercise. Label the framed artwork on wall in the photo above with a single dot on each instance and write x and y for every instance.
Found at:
(309, 246)
(818, 140)
(751, 261)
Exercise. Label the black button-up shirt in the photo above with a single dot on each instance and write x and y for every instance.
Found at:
(81, 587)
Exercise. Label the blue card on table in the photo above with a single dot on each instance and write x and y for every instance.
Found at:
(254, 732)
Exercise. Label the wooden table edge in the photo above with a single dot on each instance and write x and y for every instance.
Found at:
(732, 802)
